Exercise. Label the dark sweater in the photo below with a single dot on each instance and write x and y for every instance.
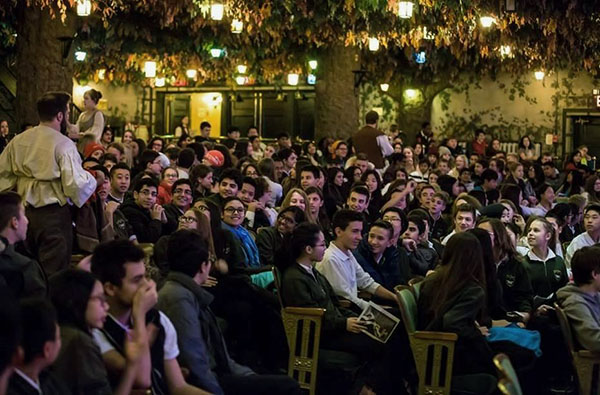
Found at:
(300, 289)
(392, 269)
(146, 229)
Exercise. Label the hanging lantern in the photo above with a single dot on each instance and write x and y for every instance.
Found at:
(159, 82)
(405, 9)
(101, 74)
(241, 80)
(84, 7)
(487, 21)
(80, 56)
(216, 11)
(150, 69)
(420, 57)
(539, 75)
(373, 44)
(216, 52)
(313, 64)
(242, 68)
(237, 26)
(505, 51)
(411, 94)
(292, 79)
(384, 87)
(311, 79)
(191, 73)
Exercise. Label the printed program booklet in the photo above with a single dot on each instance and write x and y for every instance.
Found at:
(380, 324)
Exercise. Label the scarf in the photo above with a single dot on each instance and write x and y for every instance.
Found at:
(248, 244)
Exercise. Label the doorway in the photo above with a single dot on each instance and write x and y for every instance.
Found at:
(586, 131)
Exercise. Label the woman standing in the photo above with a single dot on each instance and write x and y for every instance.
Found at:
(183, 128)
(91, 120)
(527, 149)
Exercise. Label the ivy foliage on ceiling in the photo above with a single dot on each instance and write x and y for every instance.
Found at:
(280, 36)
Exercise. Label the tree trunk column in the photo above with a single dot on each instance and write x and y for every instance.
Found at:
(40, 64)
(336, 102)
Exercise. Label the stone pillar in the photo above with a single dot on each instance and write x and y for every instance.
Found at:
(336, 102)
(41, 62)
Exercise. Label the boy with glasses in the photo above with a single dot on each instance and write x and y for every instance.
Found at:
(180, 203)
(145, 216)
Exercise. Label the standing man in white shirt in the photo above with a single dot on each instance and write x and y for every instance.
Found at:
(45, 168)
(591, 236)
(340, 267)
(372, 141)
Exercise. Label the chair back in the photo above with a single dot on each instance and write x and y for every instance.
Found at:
(303, 332)
(277, 281)
(507, 387)
(565, 328)
(433, 352)
(507, 371)
(408, 309)
(416, 288)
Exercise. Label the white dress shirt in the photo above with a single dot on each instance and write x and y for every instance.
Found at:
(583, 240)
(345, 275)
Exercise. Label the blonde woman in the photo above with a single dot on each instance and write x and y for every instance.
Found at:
(296, 197)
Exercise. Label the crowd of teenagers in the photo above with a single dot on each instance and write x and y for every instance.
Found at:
(131, 266)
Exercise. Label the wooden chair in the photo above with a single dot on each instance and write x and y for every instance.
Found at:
(509, 380)
(507, 387)
(303, 332)
(583, 361)
(433, 352)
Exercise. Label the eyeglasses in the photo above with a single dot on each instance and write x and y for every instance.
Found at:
(233, 210)
(183, 191)
(287, 219)
(187, 220)
(391, 219)
(171, 175)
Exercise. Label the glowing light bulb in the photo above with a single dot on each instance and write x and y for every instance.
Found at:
(216, 11)
(84, 7)
(539, 75)
(150, 69)
(373, 44)
(292, 79)
(487, 21)
(405, 9)
(384, 87)
(191, 73)
(242, 68)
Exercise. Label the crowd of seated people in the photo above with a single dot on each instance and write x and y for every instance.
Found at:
(171, 287)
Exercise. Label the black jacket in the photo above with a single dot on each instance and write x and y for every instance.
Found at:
(392, 269)
(22, 275)
(517, 294)
(300, 289)
(269, 242)
(146, 229)
(173, 213)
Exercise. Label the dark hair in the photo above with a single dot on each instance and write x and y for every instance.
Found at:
(260, 188)
(585, 261)
(230, 199)
(51, 103)
(250, 181)
(145, 182)
(109, 259)
(384, 225)
(361, 189)
(38, 324)
(342, 218)
(147, 156)
(283, 135)
(511, 192)
(186, 158)
(119, 166)
(461, 264)
(285, 153)
(312, 169)
(266, 168)
(489, 266)
(186, 252)
(418, 220)
(70, 291)
(541, 190)
(592, 207)
(109, 158)
(503, 246)
(232, 129)
(446, 183)
(204, 124)
(303, 235)
(232, 174)
(465, 208)
(489, 175)
(181, 181)
(371, 117)
(94, 95)
(299, 215)
(402, 215)
(199, 150)
(10, 203)
(374, 173)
